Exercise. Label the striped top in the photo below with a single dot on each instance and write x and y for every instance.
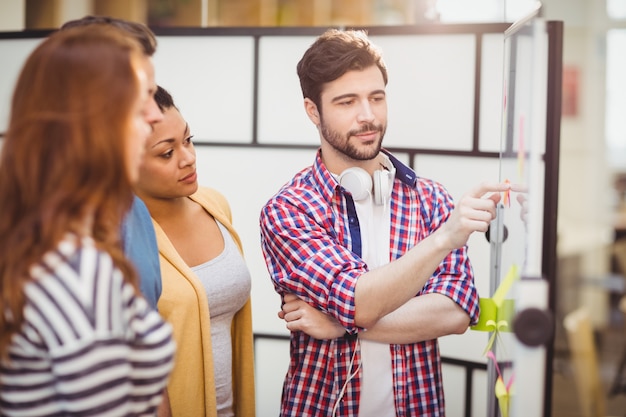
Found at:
(89, 345)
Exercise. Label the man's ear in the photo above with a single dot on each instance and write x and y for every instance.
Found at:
(311, 111)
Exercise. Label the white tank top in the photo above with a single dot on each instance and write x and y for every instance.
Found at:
(376, 398)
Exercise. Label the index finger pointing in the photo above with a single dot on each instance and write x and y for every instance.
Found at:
(489, 187)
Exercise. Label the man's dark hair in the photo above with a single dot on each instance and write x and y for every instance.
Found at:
(139, 31)
(163, 99)
(333, 54)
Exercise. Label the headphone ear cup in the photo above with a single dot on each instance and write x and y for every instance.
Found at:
(383, 182)
(357, 181)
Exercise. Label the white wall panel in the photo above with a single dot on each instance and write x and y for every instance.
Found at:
(454, 390)
(479, 394)
(430, 91)
(453, 387)
(491, 93)
(211, 79)
(13, 53)
(270, 374)
(282, 119)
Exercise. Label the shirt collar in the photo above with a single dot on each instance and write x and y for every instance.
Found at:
(329, 183)
(324, 178)
(403, 172)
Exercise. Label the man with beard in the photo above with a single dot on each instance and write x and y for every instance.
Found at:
(370, 259)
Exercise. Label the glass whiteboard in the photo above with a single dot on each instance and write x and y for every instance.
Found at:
(517, 365)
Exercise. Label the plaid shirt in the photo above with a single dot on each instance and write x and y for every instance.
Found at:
(311, 242)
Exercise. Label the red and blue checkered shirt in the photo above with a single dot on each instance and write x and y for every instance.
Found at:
(311, 242)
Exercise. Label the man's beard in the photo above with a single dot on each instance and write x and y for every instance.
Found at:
(342, 143)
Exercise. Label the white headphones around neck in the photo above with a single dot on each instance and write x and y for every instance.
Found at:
(360, 184)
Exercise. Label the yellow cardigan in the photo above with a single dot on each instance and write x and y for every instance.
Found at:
(184, 304)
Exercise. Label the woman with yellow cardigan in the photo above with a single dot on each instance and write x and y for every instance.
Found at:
(206, 283)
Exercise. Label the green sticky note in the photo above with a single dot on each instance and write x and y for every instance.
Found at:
(494, 317)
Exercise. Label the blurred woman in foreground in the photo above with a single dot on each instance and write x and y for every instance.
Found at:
(75, 336)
